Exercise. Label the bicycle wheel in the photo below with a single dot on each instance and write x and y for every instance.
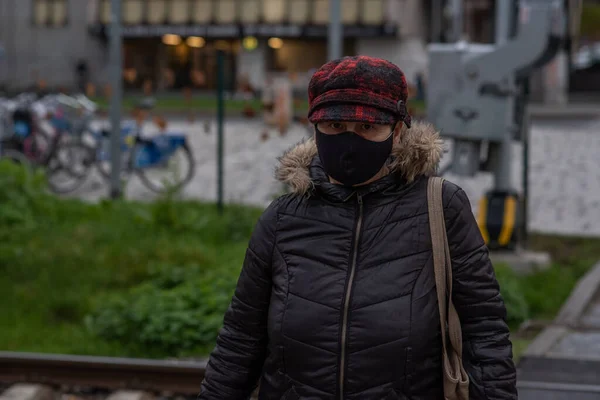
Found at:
(172, 175)
(69, 168)
(104, 165)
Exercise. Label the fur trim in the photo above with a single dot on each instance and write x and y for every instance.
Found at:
(417, 152)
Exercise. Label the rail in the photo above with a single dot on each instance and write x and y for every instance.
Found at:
(173, 376)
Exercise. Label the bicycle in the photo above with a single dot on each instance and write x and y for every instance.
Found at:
(145, 157)
(39, 132)
(140, 156)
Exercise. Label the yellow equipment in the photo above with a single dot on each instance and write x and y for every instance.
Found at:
(497, 219)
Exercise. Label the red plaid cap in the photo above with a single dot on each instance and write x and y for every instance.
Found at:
(361, 89)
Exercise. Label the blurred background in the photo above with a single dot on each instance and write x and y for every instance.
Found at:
(141, 260)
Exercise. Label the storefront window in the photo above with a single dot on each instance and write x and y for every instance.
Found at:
(179, 11)
(372, 12)
(249, 11)
(298, 11)
(133, 11)
(202, 11)
(157, 11)
(226, 11)
(273, 10)
(320, 12)
(350, 12)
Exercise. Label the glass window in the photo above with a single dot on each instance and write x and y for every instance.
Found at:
(50, 12)
(105, 12)
(202, 11)
(41, 12)
(273, 10)
(179, 11)
(133, 11)
(320, 12)
(250, 11)
(60, 13)
(372, 12)
(350, 12)
(226, 10)
(298, 11)
(157, 11)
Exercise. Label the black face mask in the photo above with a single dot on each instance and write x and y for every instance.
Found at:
(351, 159)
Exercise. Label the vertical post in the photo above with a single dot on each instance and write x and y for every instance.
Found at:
(335, 33)
(116, 67)
(503, 21)
(502, 171)
(220, 118)
(437, 16)
(526, 130)
(457, 20)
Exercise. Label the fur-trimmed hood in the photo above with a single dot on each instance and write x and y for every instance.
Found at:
(418, 152)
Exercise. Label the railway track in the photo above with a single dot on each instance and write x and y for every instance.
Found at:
(150, 378)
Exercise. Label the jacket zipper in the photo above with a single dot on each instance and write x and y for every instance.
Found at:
(347, 296)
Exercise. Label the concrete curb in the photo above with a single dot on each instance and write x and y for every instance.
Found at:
(577, 303)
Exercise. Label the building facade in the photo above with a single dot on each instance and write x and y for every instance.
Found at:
(45, 40)
(173, 43)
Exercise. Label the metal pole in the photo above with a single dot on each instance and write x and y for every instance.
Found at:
(220, 118)
(335, 33)
(525, 203)
(457, 20)
(504, 9)
(502, 171)
(437, 13)
(116, 66)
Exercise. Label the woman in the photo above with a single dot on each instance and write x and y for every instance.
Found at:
(336, 298)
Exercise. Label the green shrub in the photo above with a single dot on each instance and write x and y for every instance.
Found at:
(513, 293)
(22, 195)
(150, 279)
(176, 310)
(540, 294)
(547, 290)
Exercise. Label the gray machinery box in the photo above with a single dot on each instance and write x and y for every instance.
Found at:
(462, 113)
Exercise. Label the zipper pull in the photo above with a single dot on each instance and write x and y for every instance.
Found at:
(360, 199)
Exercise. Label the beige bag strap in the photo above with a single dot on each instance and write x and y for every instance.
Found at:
(450, 323)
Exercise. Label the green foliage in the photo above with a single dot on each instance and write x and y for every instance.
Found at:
(22, 195)
(538, 295)
(176, 310)
(513, 293)
(150, 279)
(154, 279)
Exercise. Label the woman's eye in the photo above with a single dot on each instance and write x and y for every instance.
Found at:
(336, 125)
(367, 127)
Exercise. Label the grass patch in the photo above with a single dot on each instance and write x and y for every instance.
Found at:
(154, 280)
(541, 294)
(123, 278)
(204, 103)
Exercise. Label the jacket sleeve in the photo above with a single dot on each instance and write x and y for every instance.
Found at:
(235, 364)
(487, 350)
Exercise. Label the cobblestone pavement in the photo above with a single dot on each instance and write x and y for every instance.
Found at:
(564, 171)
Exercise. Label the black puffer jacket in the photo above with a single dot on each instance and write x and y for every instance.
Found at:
(337, 300)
